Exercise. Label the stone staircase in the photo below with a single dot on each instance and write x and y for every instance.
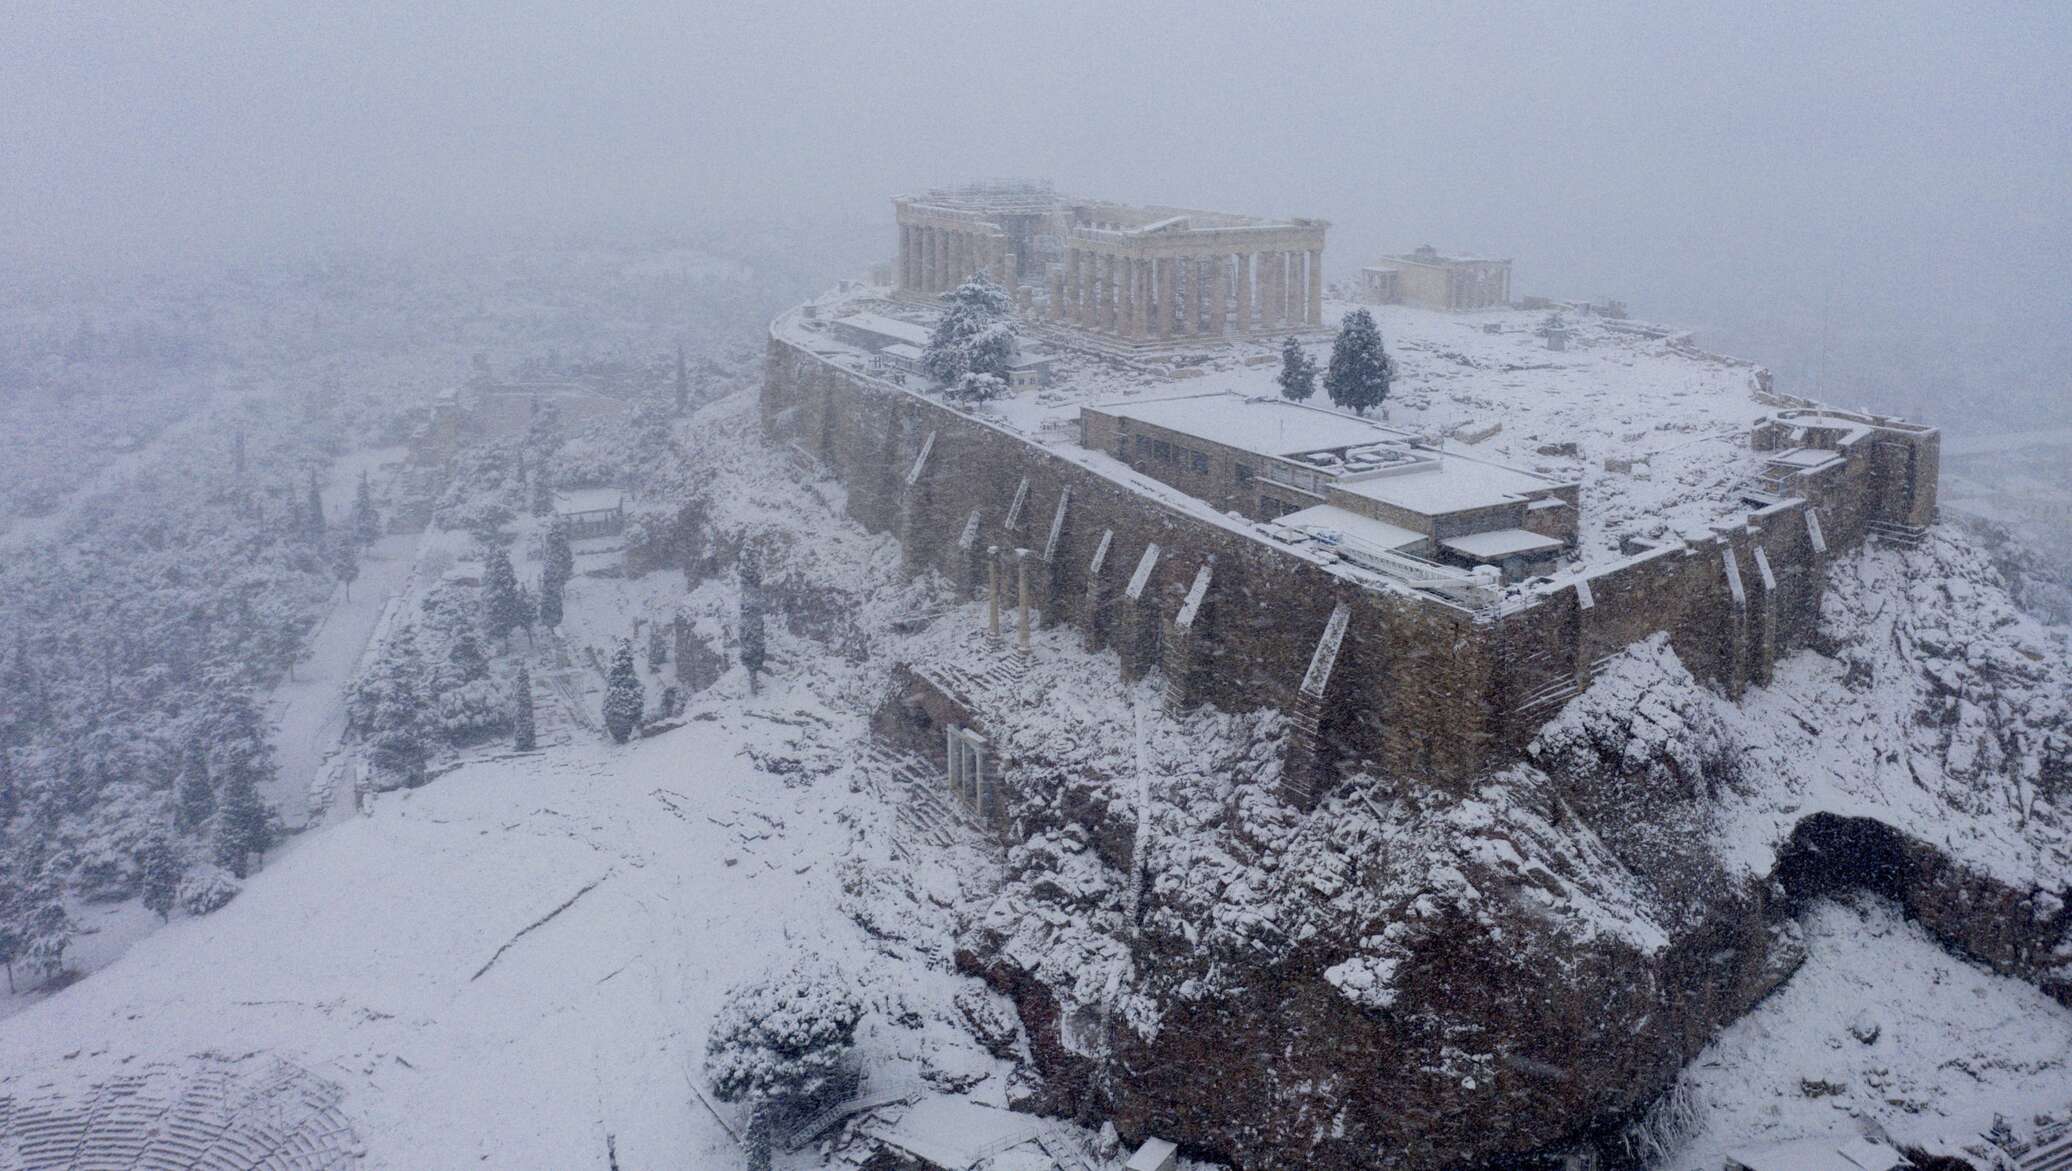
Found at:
(980, 672)
(917, 791)
(2050, 1151)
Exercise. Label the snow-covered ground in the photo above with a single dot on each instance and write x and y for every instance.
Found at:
(514, 966)
(1880, 1025)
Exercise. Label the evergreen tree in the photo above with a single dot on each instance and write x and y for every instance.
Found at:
(467, 657)
(550, 602)
(542, 494)
(345, 563)
(623, 696)
(366, 521)
(521, 711)
(245, 828)
(754, 648)
(658, 647)
(683, 382)
(11, 940)
(1358, 378)
(194, 798)
(159, 869)
(394, 700)
(501, 611)
(977, 335)
(1298, 373)
(561, 559)
(46, 928)
(313, 512)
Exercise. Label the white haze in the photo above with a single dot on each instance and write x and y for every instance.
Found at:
(1869, 198)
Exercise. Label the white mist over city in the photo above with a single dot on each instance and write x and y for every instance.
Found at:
(892, 587)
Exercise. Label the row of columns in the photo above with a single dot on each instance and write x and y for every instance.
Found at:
(935, 259)
(1206, 295)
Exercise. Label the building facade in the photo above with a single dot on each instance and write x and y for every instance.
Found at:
(1432, 280)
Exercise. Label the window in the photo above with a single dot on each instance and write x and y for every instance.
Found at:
(1244, 473)
(1162, 449)
(1122, 448)
(1198, 462)
(1143, 446)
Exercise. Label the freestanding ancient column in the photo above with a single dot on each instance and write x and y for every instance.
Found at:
(1021, 574)
(993, 592)
(1118, 272)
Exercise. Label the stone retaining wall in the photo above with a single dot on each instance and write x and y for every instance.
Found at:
(1421, 688)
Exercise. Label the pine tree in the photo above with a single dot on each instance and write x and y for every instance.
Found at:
(500, 606)
(366, 521)
(1298, 374)
(194, 798)
(977, 335)
(11, 940)
(45, 927)
(550, 602)
(398, 742)
(683, 382)
(313, 512)
(245, 829)
(623, 696)
(159, 869)
(1358, 378)
(561, 559)
(521, 711)
(345, 563)
(542, 494)
(754, 648)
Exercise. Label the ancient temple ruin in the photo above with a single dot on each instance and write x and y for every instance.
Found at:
(1123, 276)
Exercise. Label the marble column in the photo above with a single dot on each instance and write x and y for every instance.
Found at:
(1204, 289)
(1298, 290)
(1277, 298)
(1316, 286)
(1118, 294)
(1163, 325)
(1244, 293)
(1141, 311)
(1219, 295)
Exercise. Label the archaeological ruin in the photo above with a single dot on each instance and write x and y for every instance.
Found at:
(1131, 277)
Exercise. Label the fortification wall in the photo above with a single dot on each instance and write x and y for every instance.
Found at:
(1420, 688)
(1411, 689)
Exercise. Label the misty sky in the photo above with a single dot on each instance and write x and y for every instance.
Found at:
(1801, 181)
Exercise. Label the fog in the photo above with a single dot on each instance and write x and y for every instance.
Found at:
(1870, 199)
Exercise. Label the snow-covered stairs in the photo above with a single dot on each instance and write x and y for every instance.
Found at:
(916, 790)
(2052, 1152)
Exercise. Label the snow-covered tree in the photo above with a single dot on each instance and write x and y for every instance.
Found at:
(657, 648)
(754, 647)
(502, 611)
(976, 388)
(1298, 372)
(244, 829)
(550, 602)
(345, 562)
(523, 736)
(388, 708)
(623, 697)
(466, 656)
(313, 511)
(194, 795)
(542, 494)
(366, 521)
(159, 874)
(1358, 378)
(45, 926)
(757, 1141)
(784, 1038)
(977, 334)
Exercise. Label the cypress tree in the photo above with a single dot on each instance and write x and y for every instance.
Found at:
(501, 611)
(159, 870)
(245, 829)
(754, 648)
(366, 522)
(623, 696)
(550, 601)
(194, 799)
(523, 736)
(345, 563)
(1298, 374)
(1359, 375)
(313, 516)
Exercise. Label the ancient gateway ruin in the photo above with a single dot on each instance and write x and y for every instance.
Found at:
(1133, 276)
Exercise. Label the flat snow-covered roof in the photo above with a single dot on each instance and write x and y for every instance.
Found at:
(1452, 484)
(1498, 544)
(1261, 425)
(955, 1132)
(1333, 524)
(884, 326)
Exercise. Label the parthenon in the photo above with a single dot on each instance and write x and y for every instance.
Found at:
(1133, 276)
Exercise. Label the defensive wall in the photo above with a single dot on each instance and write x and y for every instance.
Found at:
(1376, 676)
